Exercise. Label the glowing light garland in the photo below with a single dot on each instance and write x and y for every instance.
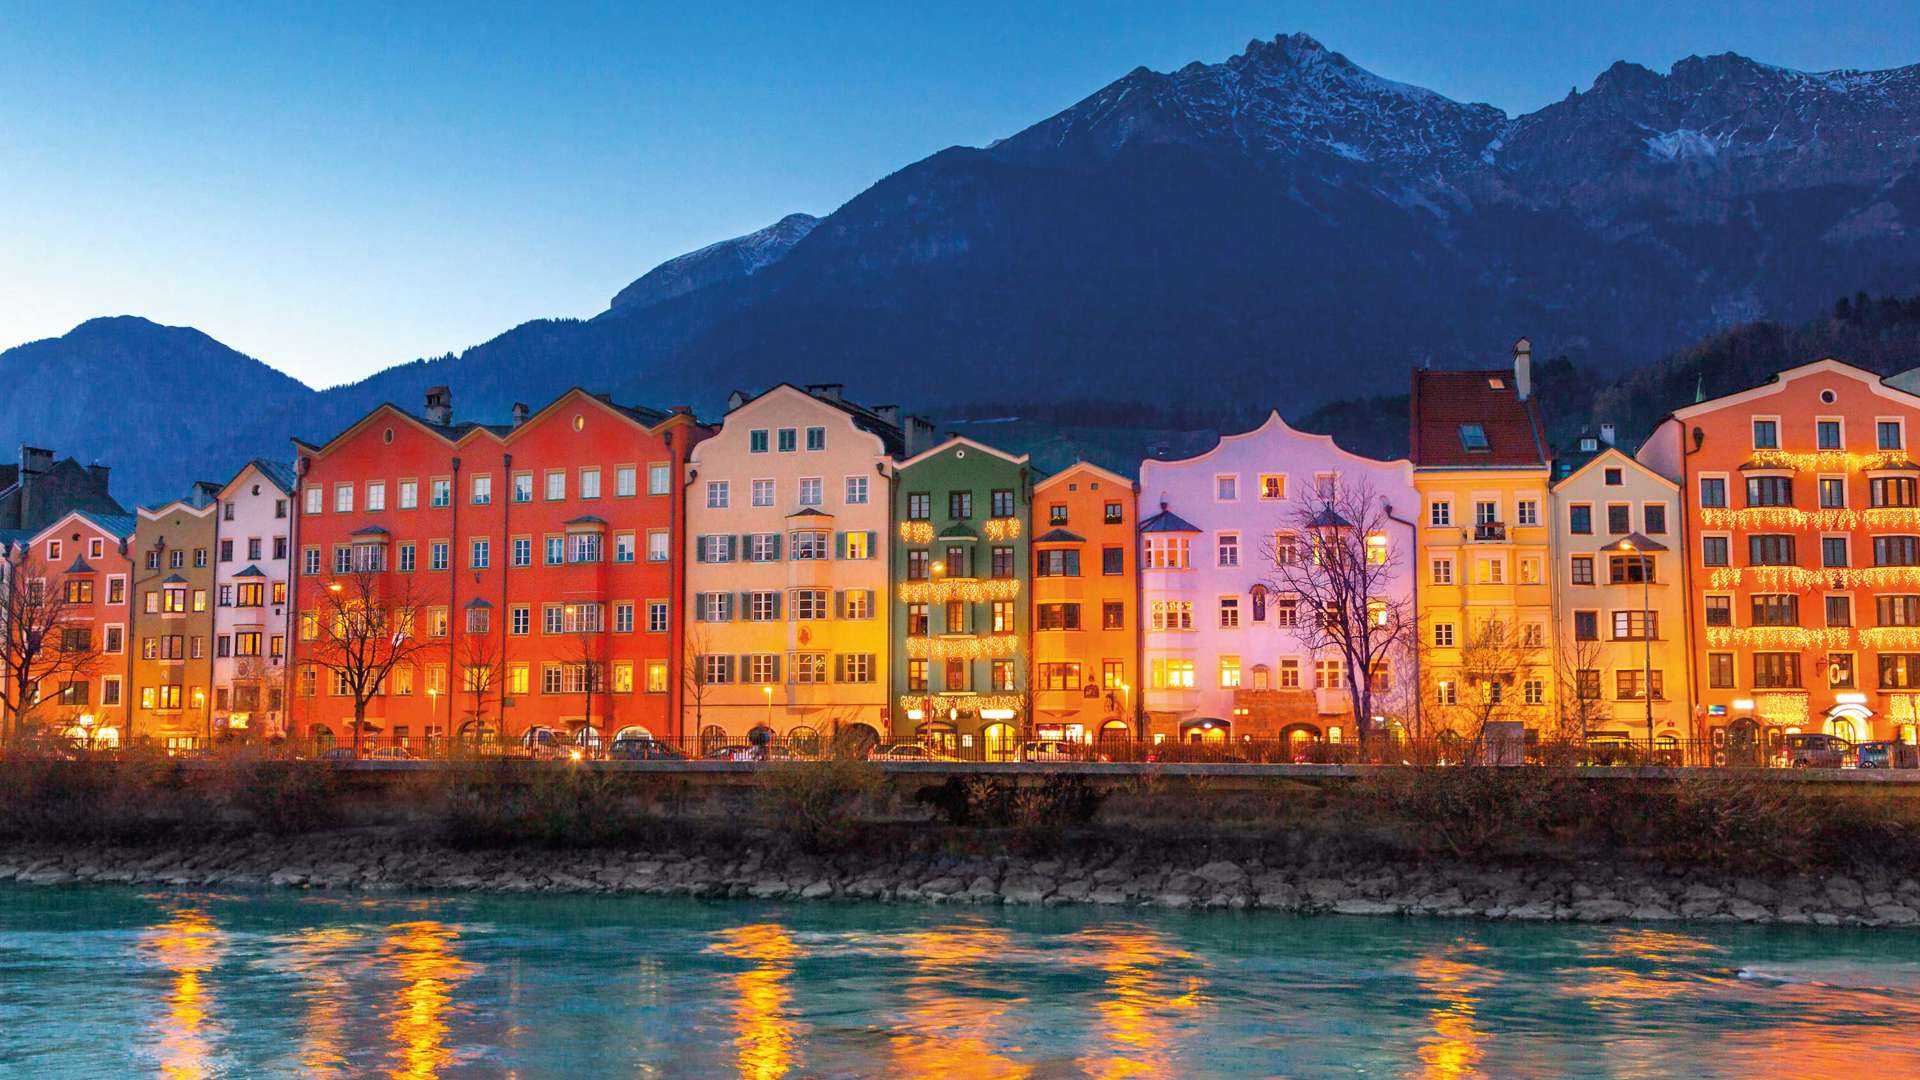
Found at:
(1891, 638)
(935, 705)
(1830, 460)
(1800, 578)
(916, 532)
(1003, 528)
(1789, 638)
(1828, 520)
(1781, 709)
(970, 590)
(962, 648)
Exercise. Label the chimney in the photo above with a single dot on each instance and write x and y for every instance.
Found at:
(1523, 368)
(98, 474)
(680, 410)
(439, 406)
(34, 460)
(888, 413)
(831, 391)
(1607, 433)
(737, 399)
(519, 413)
(918, 434)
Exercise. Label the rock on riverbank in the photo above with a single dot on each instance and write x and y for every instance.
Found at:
(372, 859)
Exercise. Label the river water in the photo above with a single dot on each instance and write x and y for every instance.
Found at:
(124, 982)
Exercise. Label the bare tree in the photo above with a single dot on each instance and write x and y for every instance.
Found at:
(589, 666)
(1498, 677)
(366, 625)
(1337, 558)
(693, 673)
(483, 670)
(1577, 680)
(44, 639)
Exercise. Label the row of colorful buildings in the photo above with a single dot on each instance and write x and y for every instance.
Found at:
(812, 566)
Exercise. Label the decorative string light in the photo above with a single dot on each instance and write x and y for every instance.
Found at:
(1830, 460)
(1891, 638)
(1005, 528)
(916, 532)
(1790, 638)
(1826, 520)
(1781, 709)
(1791, 578)
(962, 648)
(970, 590)
(935, 706)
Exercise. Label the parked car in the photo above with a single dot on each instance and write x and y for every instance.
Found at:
(642, 749)
(1612, 748)
(389, 753)
(546, 744)
(908, 752)
(1056, 750)
(1815, 751)
(1887, 755)
(337, 753)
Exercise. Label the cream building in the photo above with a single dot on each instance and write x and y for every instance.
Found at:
(1619, 616)
(788, 512)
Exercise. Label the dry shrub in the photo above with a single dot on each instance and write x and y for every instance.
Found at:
(819, 803)
(1468, 811)
(276, 792)
(139, 794)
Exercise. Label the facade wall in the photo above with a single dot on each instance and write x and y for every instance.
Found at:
(1471, 574)
(1600, 602)
(1085, 604)
(1219, 652)
(962, 567)
(484, 574)
(172, 639)
(252, 572)
(101, 606)
(788, 511)
(1802, 548)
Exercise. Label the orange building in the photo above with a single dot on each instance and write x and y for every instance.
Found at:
(82, 560)
(543, 559)
(1802, 529)
(1086, 625)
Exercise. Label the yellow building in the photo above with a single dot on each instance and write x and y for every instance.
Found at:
(1483, 570)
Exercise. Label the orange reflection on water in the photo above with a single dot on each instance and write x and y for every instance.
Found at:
(937, 1034)
(764, 1039)
(428, 969)
(186, 944)
(1456, 1045)
(1138, 1015)
(1826, 1031)
(318, 954)
(1611, 985)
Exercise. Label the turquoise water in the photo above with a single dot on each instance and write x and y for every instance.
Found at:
(112, 982)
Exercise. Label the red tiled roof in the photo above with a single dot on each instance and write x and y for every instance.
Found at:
(1442, 401)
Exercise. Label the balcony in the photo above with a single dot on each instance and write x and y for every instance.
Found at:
(1490, 532)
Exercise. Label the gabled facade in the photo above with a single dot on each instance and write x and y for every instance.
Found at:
(961, 566)
(788, 576)
(1224, 656)
(1802, 533)
(172, 590)
(1620, 586)
(1085, 605)
(1482, 470)
(83, 557)
(542, 557)
(252, 600)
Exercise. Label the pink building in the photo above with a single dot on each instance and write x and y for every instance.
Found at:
(1223, 650)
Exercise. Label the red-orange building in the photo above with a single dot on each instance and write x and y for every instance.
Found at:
(543, 559)
(1802, 532)
(82, 560)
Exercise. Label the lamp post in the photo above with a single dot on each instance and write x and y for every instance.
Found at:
(767, 689)
(1646, 632)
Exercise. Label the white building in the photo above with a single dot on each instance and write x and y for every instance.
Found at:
(252, 564)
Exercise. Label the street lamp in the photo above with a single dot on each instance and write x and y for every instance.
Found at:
(1646, 631)
(1126, 703)
(767, 689)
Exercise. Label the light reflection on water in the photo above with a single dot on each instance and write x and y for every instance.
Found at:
(326, 985)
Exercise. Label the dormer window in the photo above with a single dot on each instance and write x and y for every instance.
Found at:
(1589, 445)
(1496, 382)
(1473, 437)
(1613, 478)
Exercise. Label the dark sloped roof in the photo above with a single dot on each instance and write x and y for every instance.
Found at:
(370, 530)
(959, 530)
(250, 571)
(1059, 536)
(1444, 401)
(1635, 542)
(79, 566)
(279, 472)
(173, 579)
(585, 519)
(809, 511)
(1167, 521)
(1329, 518)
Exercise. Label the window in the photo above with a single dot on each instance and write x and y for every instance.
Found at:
(1899, 671)
(1172, 674)
(1840, 671)
(960, 504)
(1629, 569)
(482, 490)
(315, 499)
(1719, 610)
(1896, 550)
(1833, 551)
(1770, 549)
(1527, 512)
(809, 604)
(1580, 570)
(656, 616)
(1580, 519)
(1226, 487)
(1473, 437)
(763, 606)
(590, 483)
(656, 676)
(407, 557)
(1229, 672)
(1839, 610)
(343, 498)
(1766, 434)
(1826, 434)
(761, 493)
(1769, 491)
(659, 478)
(1113, 513)
(1889, 434)
(1713, 491)
(1720, 671)
(856, 604)
(1619, 519)
(1113, 615)
(1058, 563)
(1172, 614)
(1329, 673)
(1586, 626)
(1632, 684)
(522, 551)
(1166, 551)
(1286, 548)
(1442, 567)
(810, 491)
(716, 494)
(1443, 635)
(409, 494)
(1611, 477)
(1833, 492)
(1439, 513)
(1113, 561)
(1486, 512)
(1286, 611)
(1000, 500)
(1632, 625)
(585, 547)
(438, 557)
(1490, 570)
(657, 545)
(1713, 550)
(1896, 610)
(376, 497)
(625, 547)
(1775, 609)
(789, 440)
(1891, 491)
(809, 544)
(808, 667)
(1229, 545)
(441, 494)
(712, 548)
(919, 505)
(1057, 514)
(856, 491)
(480, 554)
(626, 481)
(519, 620)
(1776, 670)
(1057, 617)
(1229, 612)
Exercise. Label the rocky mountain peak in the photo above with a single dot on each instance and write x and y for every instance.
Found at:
(742, 256)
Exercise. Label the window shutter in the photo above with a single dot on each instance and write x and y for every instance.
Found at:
(733, 547)
(700, 607)
(839, 545)
(776, 666)
(839, 667)
(776, 547)
(776, 604)
(746, 605)
(726, 607)
(870, 607)
(873, 538)
(728, 666)
(839, 603)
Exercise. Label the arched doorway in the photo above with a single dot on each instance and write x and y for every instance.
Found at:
(712, 737)
(322, 737)
(999, 742)
(804, 740)
(632, 731)
(937, 735)
(1207, 730)
(1295, 738)
(856, 740)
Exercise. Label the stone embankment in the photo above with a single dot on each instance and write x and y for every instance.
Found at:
(378, 860)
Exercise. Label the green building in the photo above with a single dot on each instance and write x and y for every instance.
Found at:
(962, 571)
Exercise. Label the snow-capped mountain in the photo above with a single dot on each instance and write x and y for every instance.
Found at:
(740, 257)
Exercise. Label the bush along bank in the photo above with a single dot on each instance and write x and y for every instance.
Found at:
(1496, 843)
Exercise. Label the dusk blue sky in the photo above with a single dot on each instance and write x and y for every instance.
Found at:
(334, 188)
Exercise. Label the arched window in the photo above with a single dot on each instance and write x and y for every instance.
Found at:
(998, 742)
(322, 737)
(804, 740)
(712, 737)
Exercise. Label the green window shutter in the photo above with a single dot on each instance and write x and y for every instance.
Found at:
(839, 603)
(776, 547)
(776, 603)
(699, 607)
(871, 610)
(873, 540)
(839, 545)
(726, 614)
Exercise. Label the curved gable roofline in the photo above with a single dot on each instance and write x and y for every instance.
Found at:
(484, 430)
(180, 505)
(269, 475)
(787, 388)
(1084, 465)
(1275, 423)
(962, 440)
(117, 526)
(1615, 454)
(1778, 381)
